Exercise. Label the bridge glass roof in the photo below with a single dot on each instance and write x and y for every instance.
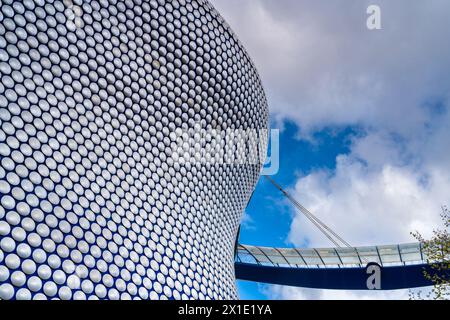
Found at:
(331, 257)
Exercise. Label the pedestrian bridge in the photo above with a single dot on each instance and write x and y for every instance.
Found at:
(399, 266)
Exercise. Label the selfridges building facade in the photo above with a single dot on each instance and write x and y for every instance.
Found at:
(94, 202)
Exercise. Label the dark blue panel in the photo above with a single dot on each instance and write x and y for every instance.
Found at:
(393, 277)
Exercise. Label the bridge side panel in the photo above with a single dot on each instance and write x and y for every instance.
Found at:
(391, 278)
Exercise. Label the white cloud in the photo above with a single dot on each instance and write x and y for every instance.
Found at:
(322, 67)
(247, 222)
(379, 193)
(373, 196)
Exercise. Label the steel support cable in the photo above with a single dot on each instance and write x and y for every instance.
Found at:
(327, 231)
(307, 212)
(318, 225)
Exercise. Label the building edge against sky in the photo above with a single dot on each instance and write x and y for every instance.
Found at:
(93, 205)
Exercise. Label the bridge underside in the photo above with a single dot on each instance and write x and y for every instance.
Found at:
(396, 277)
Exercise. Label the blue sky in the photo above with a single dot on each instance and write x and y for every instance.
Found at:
(268, 208)
(364, 118)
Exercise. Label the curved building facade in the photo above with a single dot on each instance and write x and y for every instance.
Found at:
(94, 202)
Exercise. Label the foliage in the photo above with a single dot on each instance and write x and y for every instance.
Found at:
(437, 252)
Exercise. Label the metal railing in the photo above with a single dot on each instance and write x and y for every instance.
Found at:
(390, 255)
